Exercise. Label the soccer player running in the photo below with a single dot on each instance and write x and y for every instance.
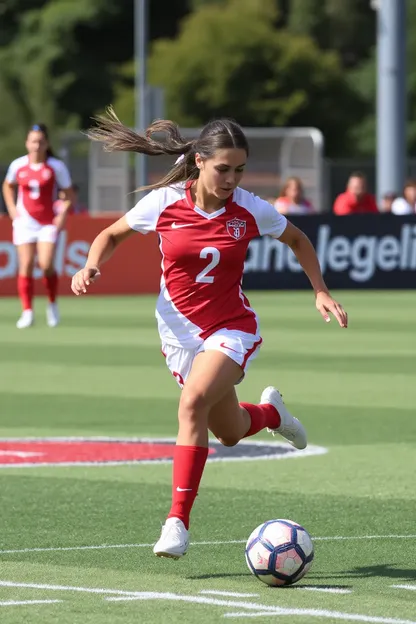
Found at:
(36, 178)
(209, 332)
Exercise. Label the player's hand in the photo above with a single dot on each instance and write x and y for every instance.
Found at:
(84, 278)
(325, 305)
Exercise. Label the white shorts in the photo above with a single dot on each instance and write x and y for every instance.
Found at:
(25, 231)
(239, 346)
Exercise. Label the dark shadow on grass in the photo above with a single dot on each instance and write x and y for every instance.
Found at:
(304, 586)
(385, 570)
(213, 576)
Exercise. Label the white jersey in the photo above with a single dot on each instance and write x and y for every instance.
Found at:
(203, 260)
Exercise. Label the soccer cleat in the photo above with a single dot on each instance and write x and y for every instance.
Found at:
(26, 320)
(290, 427)
(174, 540)
(52, 315)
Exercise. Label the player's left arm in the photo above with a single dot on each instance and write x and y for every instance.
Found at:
(64, 181)
(307, 258)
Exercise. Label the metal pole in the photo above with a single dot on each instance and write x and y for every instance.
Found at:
(140, 45)
(391, 96)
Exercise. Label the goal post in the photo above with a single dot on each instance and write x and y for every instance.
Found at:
(275, 154)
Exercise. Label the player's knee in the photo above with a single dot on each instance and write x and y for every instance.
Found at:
(229, 440)
(192, 403)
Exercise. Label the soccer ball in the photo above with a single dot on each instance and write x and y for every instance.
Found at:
(279, 552)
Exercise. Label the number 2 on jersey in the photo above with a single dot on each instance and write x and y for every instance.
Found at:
(203, 277)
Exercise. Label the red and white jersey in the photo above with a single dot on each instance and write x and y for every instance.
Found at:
(37, 187)
(203, 260)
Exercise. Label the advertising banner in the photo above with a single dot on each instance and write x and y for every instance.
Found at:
(362, 251)
(134, 268)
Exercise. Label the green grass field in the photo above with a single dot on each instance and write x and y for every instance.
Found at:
(101, 374)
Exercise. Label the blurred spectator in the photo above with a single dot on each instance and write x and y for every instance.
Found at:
(76, 207)
(407, 204)
(387, 202)
(355, 200)
(292, 199)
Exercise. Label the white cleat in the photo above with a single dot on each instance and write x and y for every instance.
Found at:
(290, 427)
(26, 320)
(52, 315)
(174, 540)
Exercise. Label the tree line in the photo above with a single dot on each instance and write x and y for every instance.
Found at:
(265, 63)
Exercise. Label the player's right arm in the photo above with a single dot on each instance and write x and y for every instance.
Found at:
(142, 218)
(9, 194)
(100, 251)
(9, 189)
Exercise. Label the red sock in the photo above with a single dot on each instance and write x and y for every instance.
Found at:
(262, 416)
(188, 466)
(51, 284)
(25, 290)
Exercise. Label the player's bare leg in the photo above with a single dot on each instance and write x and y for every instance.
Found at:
(228, 421)
(46, 256)
(213, 375)
(26, 257)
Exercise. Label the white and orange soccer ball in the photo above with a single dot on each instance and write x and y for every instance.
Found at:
(279, 552)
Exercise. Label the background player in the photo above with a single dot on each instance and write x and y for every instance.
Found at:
(36, 176)
(208, 330)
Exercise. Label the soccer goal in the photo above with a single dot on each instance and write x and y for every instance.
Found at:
(275, 154)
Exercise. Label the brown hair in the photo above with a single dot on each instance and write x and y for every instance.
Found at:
(215, 135)
(41, 127)
(409, 182)
(358, 174)
(288, 181)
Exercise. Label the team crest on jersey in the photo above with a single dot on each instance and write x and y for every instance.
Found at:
(236, 228)
(46, 174)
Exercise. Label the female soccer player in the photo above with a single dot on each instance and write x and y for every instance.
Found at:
(36, 177)
(208, 330)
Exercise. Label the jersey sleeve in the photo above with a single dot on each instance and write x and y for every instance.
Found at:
(143, 217)
(63, 177)
(11, 175)
(269, 220)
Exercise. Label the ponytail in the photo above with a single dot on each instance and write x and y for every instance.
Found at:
(116, 137)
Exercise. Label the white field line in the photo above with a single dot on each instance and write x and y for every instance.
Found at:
(322, 613)
(333, 538)
(86, 590)
(409, 587)
(309, 452)
(327, 590)
(259, 609)
(214, 592)
(19, 603)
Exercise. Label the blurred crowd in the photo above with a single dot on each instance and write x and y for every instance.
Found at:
(354, 200)
(292, 199)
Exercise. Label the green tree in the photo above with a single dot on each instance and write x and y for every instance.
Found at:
(49, 68)
(231, 61)
(347, 27)
(306, 16)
